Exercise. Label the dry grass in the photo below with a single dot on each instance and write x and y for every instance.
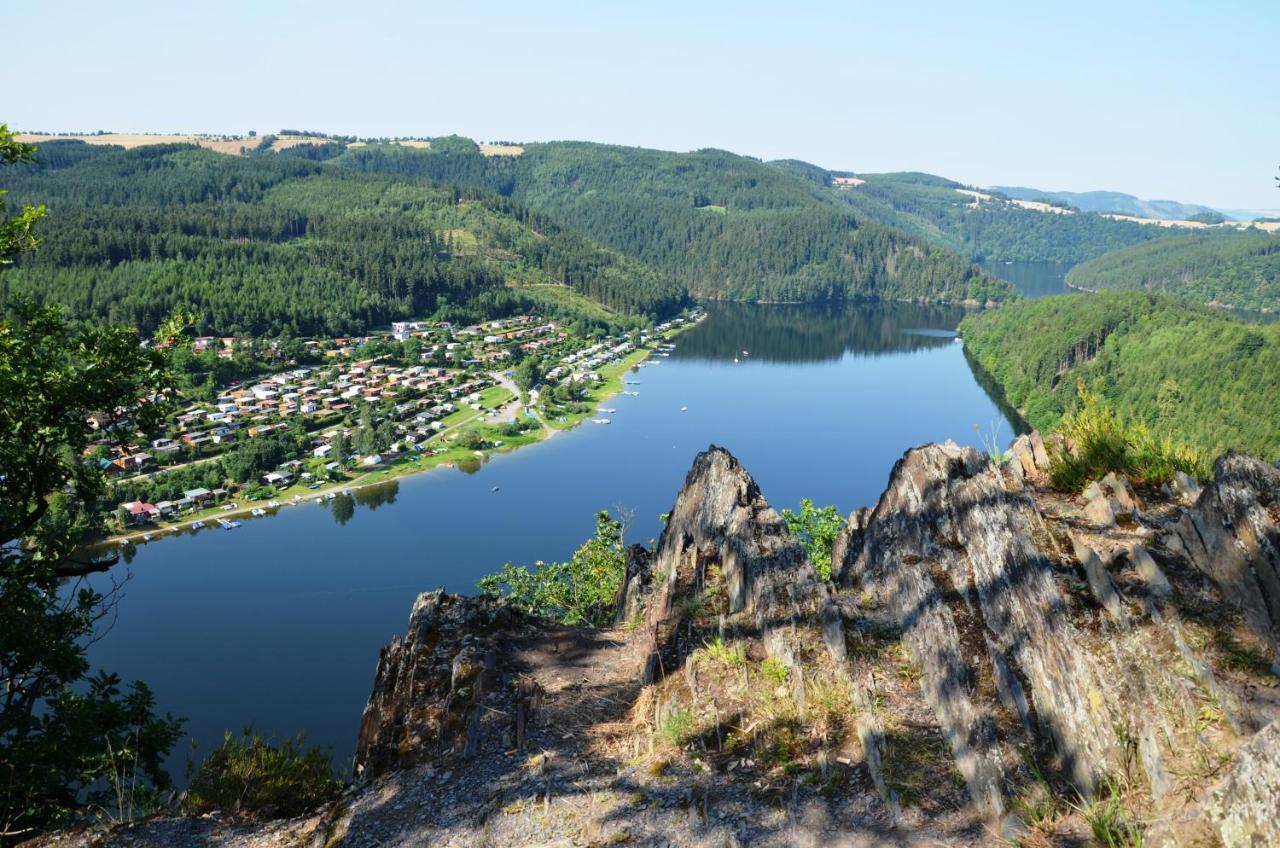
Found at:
(501, 149)
(231, 145)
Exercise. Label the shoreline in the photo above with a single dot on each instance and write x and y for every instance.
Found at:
(396, 470)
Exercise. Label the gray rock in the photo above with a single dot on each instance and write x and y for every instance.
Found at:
(1100, 583)
(1232, 534)
(1039, 450)
(1025, 456)
(1185, 487)
(721, 518)
(951, 552)
(1245, 805)
(1098, 511)
(1149, 572)
(629, 602)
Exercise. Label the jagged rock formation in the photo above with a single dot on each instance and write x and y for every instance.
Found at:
(1232, 534)
(990, 658)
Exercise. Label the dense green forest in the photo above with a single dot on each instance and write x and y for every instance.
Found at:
(1237, 268)
(271, 244)
(1187, 371)
(725, 226)
(930, 208)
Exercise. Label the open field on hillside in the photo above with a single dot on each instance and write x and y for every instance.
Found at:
(230, 144)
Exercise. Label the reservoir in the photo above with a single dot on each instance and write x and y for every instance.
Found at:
(276, 625)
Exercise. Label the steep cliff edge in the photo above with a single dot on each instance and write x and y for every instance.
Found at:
(992, 660)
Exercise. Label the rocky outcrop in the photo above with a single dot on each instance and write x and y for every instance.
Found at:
(430, 686)
(721, 529)
(954, 555)
(1232, 534)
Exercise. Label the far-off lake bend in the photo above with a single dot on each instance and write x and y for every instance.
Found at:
(277, 624)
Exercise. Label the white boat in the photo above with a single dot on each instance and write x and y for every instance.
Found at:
(146, 537)
(330, 496)
(608, 410)
(196, 525)
(273, 504)
(599, 420)
(258, 511)
(684, 409)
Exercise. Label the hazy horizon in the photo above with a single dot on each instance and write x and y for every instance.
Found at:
(1162, 103)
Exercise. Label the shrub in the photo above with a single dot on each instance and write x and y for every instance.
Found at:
(816, 528)
(275, 781)
(1101, 441)
(580, 591)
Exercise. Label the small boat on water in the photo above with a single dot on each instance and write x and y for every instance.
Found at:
(684, 409)
(273, 504)
(258, 511)
(632, 394)
(346, 492)
(146, 537)
(608, 410)
(228, 525)
(494, 489)
(319, 500)
(599, 420)
(633, 382)
(197, 525)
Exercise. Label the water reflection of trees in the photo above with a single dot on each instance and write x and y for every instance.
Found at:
(344, 506)
(808, 333)
(378, 495)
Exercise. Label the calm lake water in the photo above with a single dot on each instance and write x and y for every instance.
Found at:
(1033, 279)
(277, 624)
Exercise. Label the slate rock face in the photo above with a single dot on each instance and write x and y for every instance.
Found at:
(720, 519)
(1232, 534)
(429, 685)
(1244, 806)
(953, 554)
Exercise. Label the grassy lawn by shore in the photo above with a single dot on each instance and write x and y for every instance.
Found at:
(561, 418)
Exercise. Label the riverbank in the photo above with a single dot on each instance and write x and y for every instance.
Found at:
(499, 404)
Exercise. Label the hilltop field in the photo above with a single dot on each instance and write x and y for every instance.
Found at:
(235, 145)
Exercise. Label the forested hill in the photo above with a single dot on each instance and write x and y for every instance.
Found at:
(1190, 372)
(992, 227)
(725, 226)
(1113, 201)
(1236, 268)
(271, 244)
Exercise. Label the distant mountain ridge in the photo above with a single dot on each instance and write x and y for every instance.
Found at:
(1113, 201)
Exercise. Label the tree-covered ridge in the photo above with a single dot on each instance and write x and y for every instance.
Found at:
(725, 226)
(1237, 268)
(1203, 377)
(271, 244)
(929, 207)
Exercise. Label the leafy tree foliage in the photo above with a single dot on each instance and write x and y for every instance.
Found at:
(62, 733)
(1202, 377)
(816, 528)
(580, 591)
(1237, 268)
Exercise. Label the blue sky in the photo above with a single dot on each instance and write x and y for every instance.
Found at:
(1163, 100)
